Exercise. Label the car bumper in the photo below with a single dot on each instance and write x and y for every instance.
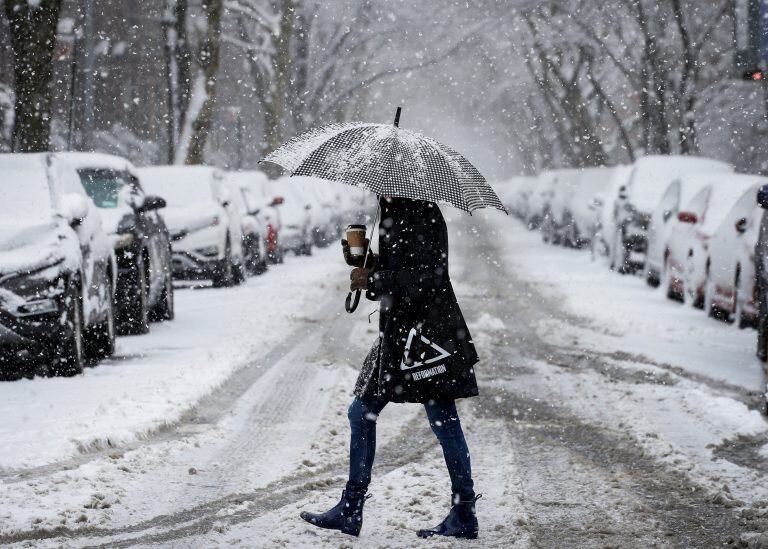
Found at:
(292, 241)
(190, 266)
(31, 335)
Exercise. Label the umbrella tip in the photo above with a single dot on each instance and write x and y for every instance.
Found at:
(397, 116)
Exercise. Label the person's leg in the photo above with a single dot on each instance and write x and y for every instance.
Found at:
(461, 521)
(347, 515)
(362, 414)
(444, 420)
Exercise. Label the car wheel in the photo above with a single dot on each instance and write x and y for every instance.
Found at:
(238, 274)
(165, 309)
(762, 324)
(100, 340)
(69, 351)
(135, 316)
(651, 278)
(224, 275)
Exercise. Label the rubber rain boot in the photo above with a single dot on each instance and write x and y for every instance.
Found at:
(346, 516)
(461, 521)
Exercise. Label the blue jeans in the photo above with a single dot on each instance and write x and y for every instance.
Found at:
(444, 420)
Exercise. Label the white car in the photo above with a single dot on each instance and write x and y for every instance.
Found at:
(205, 224)
(585, 197)
(57, 267)
(321, 204)
(296, 232)
(663, 220)
(730, 292)
(650, 178)
(262, 202)
(605, 210)
(254, 231)
(689, 258)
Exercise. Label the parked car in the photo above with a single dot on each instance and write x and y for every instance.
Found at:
(604, 225)
(57, 267)
(142, 242)
(663, 220)
(730, 293)
(254, 247)
(761, 276)
(560, 187)
(540, 199)
(315, 196)
(649, 179)
(688, 264)
(260, 199)
(296, 222)
(586, 197)
(205, 225)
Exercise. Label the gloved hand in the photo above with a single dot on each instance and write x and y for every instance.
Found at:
(357, 261)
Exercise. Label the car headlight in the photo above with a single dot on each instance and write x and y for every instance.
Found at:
(208, 251)
(37, 307)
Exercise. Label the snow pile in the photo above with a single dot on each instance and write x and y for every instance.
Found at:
(153, 380)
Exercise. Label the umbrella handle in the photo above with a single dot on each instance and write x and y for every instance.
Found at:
(351, 305)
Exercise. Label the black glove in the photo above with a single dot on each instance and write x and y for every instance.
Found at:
(357, 261)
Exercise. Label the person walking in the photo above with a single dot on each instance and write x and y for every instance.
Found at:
(424, 354)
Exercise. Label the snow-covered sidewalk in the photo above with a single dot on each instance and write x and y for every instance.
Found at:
(625, 315)
(154, 379)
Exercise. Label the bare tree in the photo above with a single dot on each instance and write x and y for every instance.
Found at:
(33, 39)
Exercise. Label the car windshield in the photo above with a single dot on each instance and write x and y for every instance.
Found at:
(25, 196)
(103, 186)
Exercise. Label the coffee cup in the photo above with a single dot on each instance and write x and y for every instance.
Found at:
(356, 240)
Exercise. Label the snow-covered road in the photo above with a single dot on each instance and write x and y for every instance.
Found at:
(607, 417)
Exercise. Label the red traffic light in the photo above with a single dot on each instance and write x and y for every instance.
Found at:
(756, 75)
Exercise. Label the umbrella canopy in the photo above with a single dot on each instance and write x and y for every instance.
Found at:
(388, 161)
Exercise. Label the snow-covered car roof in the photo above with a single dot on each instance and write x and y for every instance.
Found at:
(590, 183)
(182, 185)
(726, 190)
(247, 178)
(652, 175)
(84, 161)
(25, 193)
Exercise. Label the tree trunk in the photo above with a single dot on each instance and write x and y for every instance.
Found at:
(33, 38)
(208, 60)
(281, 65)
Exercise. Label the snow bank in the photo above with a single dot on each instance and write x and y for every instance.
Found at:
(153, 380)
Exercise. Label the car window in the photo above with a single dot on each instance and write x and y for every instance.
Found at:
(103, 186)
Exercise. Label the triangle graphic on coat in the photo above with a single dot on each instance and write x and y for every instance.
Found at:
(421, 360)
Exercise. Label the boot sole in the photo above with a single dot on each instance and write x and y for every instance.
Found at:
(425, 534)
(350, 531)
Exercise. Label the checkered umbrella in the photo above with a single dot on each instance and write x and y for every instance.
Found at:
(388, 161)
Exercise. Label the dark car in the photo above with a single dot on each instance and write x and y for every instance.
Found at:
(57, 268)
(141, 239)
(761, 277)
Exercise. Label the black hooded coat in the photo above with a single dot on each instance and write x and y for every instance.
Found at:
(424, 350)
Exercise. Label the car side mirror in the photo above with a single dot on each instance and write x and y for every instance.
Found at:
(687, 217)
(152, 202)
(762, 196)
(74, 208)
(741, 225)
(225, 203)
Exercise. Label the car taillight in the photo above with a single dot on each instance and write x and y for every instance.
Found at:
(271, 238)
